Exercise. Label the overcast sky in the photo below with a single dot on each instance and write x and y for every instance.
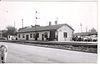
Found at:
(72, 13)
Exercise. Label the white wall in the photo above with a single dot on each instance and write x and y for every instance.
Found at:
(10, 37)
(21, 36)
(40, 35)
(61, 33)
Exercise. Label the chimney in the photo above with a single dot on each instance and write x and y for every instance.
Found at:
(49, 23)
(56, 22)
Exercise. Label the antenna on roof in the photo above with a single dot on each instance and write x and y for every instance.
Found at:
(35, 17)
(36, 12)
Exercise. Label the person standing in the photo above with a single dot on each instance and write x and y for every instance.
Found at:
(3, 53)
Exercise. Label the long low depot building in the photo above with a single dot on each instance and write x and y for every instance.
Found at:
(58, 32)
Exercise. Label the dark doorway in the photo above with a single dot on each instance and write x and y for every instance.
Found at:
(27, 37)
(43, 37)
(52, 35)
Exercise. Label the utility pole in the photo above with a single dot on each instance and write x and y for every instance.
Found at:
(36, 17)
(81, 27)
(56, 21)
(36, 23)
(86, 28)
(14, 23)
(22, 23)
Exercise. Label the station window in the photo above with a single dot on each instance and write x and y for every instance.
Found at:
(33, 35)
(19, 35)
(0, 35)
(23, 36)
(37, 35)
(9, 36)
(65, 34)
(30, 35)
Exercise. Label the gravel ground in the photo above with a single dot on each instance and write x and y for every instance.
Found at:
(18, 53)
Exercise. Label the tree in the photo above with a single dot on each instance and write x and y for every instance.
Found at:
(10, 31)
(4, 33)
(93, 30)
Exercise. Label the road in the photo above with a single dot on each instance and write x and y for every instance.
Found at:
(18, 53)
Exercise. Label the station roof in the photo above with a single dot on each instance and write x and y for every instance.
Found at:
(43, 28)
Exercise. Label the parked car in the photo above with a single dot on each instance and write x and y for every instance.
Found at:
(3, 38)
(87, 39)
(94, 39)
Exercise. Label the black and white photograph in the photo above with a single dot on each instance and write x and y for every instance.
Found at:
(48, 31)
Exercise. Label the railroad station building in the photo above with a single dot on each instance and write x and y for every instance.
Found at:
(57, 32)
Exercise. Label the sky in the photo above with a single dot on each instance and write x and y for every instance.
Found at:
(72, 13)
